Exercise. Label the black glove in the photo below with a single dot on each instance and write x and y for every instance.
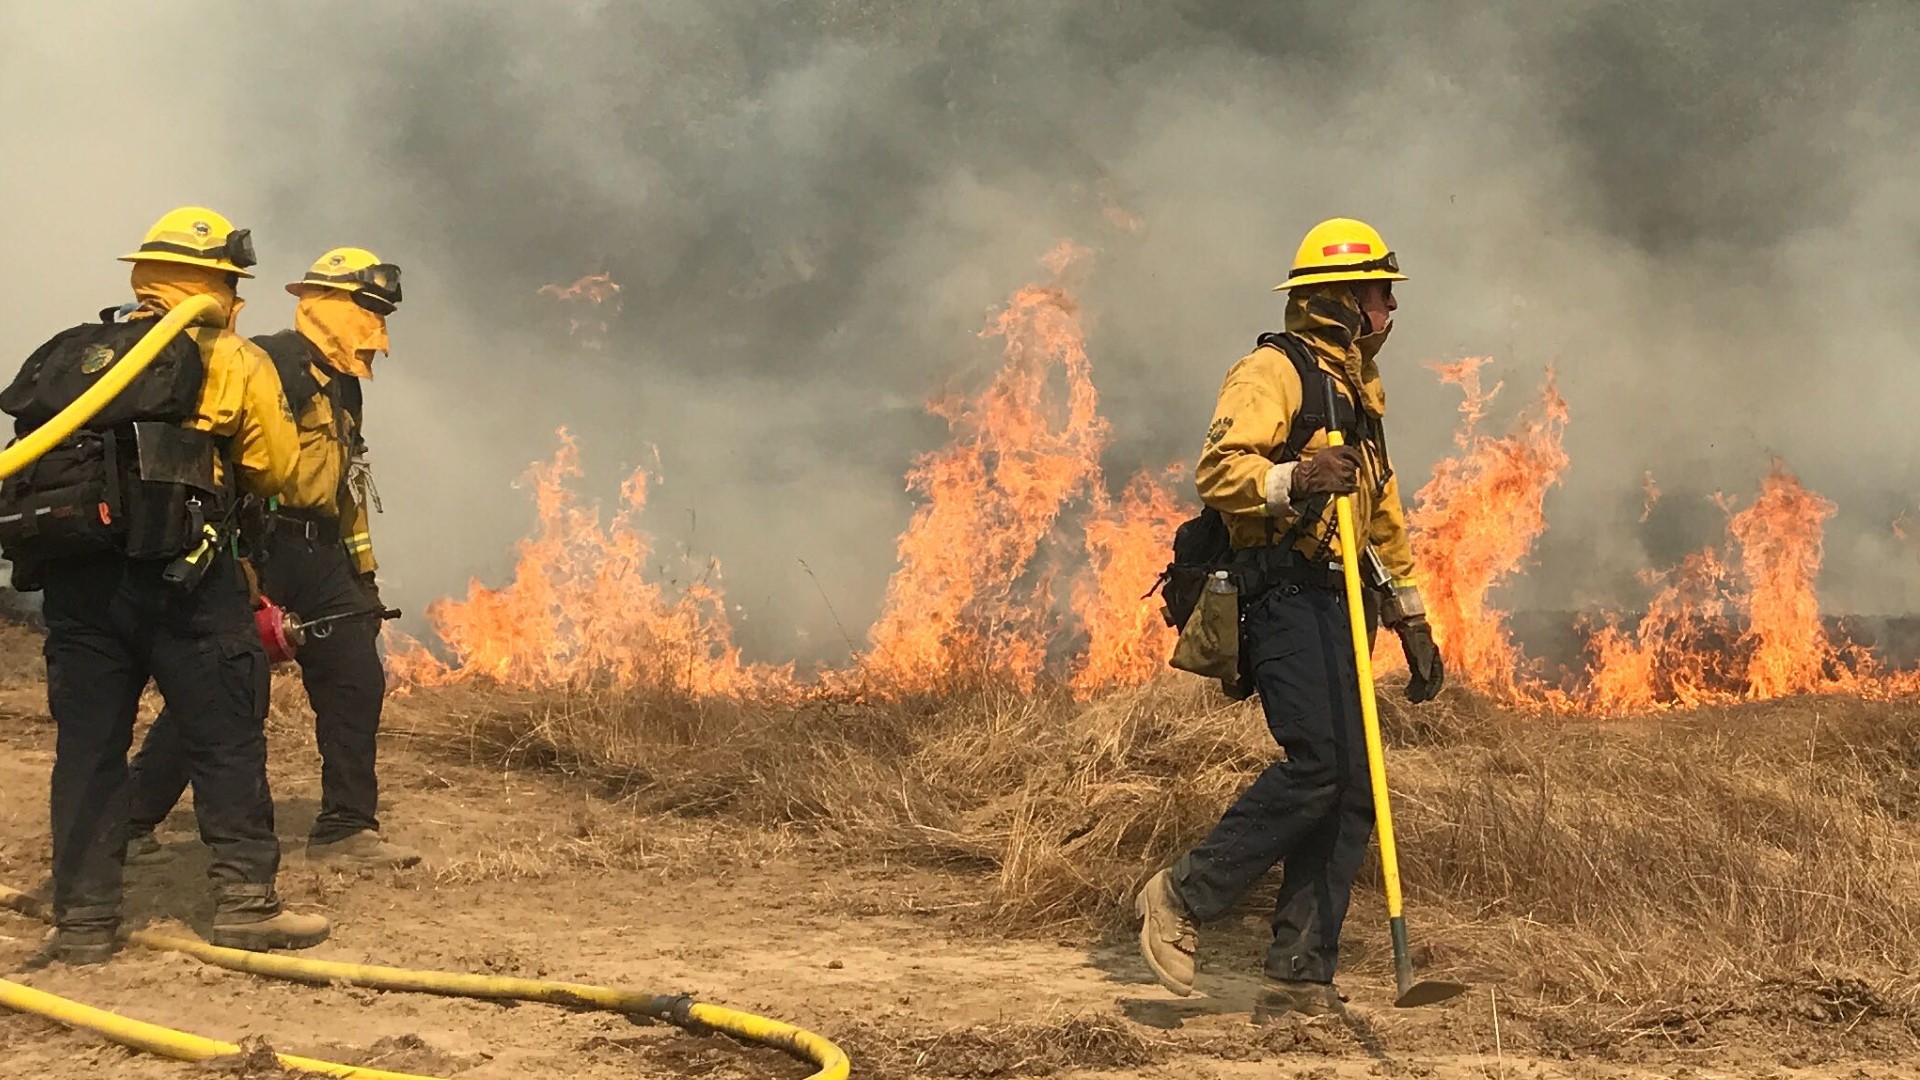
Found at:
(1423, 659)
(368, 583)
(1333, 471)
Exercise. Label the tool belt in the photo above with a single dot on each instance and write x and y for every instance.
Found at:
(313, 526)
(1259, 570)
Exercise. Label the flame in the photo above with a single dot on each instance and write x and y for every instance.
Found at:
(963, 604)
(581, 610)
(1667, 659)
(590, 324)
(972, 599)
(1711, 636)
(1652, 491)
(1779, 538)
(1127, 640)
(1476, 520)
(1016, 503)
(1722, 626)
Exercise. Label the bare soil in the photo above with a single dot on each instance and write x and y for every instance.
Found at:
(532, 872)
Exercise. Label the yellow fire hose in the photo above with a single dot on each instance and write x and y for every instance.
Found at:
(683, 1011)
(679, 1010)
(1409, 994)
(87, 405)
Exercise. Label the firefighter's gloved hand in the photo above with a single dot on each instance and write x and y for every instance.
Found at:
(1423, 659)
(1333, 471)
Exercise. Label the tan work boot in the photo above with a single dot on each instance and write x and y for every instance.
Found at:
(364, 848)
(251, 917)
(1168, 940)
(1281, 998)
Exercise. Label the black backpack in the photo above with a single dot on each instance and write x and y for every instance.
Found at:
(132, 479)
(1201, 544)
(69, 364)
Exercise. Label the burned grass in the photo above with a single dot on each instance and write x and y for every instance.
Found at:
(1621, 881)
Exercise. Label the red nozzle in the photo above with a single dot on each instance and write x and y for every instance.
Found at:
(279, 632)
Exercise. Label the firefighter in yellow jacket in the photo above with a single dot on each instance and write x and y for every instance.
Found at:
(154, 592)
(1267, 468)
(315, 558)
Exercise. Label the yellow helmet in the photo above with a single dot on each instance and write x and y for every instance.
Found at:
(197, 236)
(1342, 249)
(375, 284)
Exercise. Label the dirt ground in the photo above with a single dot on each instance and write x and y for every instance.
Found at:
(529, 875)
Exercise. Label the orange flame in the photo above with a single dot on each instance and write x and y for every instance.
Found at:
(1779, 537)
(1127, 641)
(590, 324)
(1476, 520)
(962, 604)
(973, 598)
(581, 610)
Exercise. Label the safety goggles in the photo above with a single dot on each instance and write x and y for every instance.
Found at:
(236, 249)
(380, 282)
(1388, 262)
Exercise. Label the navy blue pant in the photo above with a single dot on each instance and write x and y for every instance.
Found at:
(112, 625)
(1311, 813)
(345, 683)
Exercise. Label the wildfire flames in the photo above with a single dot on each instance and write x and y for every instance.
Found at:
(591, 304)
(1015, 512)
(1476, 520)
(582, 610)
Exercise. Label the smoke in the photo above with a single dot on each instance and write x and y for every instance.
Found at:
(1697, 213)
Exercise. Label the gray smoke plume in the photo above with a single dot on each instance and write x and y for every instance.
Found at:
(1700, 215)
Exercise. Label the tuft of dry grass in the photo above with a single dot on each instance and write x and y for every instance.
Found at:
(1647, 868)
(989, 1051)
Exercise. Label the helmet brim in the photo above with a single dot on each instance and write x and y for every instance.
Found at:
(184, 260)
(298, 288)
(1339, 276)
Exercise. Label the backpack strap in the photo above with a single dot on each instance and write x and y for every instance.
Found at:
(1311, 416)
(291, 354)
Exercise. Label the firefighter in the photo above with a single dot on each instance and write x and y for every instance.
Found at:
(315, 557)
(1267, 468)
(141, 584)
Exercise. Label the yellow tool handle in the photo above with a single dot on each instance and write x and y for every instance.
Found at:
(88, 405)
(1369, 707)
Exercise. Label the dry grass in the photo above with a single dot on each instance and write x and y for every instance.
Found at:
(1039, 1047)
(1658, 872)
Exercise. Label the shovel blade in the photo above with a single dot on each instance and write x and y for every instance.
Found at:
(1428, 992)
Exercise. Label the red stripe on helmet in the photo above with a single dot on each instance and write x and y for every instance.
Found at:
(1349, 248)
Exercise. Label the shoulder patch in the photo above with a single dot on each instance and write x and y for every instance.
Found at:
(1218, 431)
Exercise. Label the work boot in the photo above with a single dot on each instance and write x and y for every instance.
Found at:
(144, 850)
(364, 848)
(93, 945)
(1281, 998)
(251, 917)
(1168, 940)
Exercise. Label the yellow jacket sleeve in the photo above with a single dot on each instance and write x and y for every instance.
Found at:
(1387, 533)
(356, 534)
(242, 402)
(1236, 473)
